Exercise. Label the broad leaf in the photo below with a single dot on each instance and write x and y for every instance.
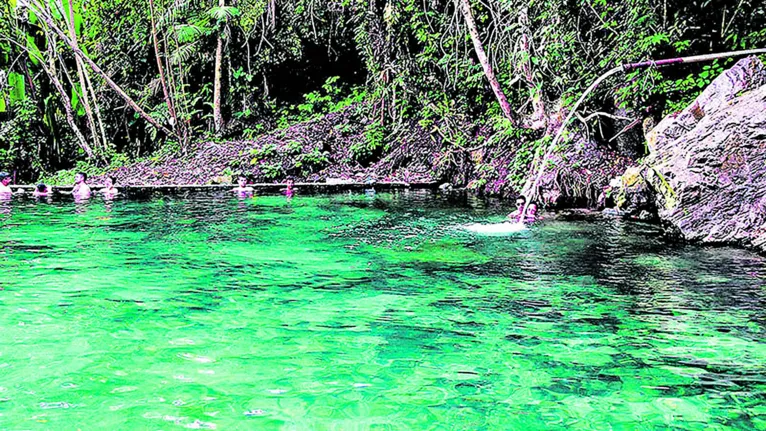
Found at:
(223, 13)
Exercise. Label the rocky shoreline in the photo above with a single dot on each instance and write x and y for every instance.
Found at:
(704, 177)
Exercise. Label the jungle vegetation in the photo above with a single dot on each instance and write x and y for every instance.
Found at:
(89, 83)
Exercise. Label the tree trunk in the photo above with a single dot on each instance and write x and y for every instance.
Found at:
(83, 83)
(538, 119)
(217, 116)
(42, 13)
(65, 100)
(465, 7)
(163, 81)
(99, 119)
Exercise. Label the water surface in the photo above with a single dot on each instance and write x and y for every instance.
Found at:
(357, 312)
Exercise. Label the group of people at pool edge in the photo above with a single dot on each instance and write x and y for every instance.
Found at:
(81, 190)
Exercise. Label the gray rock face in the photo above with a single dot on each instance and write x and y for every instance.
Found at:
(706, 172)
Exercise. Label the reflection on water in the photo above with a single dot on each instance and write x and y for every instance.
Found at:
(368, 311)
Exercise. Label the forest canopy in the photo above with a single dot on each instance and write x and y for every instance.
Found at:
(104, 83)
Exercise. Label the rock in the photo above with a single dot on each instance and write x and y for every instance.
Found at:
(577, 177)
(706, 173)
(634, 196)
(747, 74)
(221, 179)
(626, 136)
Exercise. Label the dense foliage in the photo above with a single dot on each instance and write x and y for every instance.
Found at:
(101, 83)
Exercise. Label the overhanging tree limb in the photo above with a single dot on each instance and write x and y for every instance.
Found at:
(531, 188)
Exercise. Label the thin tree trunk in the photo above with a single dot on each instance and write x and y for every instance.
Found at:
(176, 92)
(97, 109)
(538, 119)
(83, 84)
(163, 81)
(465, 7)
(217, 116)
(42, 13)
(65, 100)
(68, 76)
(178, 97)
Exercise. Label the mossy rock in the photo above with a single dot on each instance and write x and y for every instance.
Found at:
(632, 177)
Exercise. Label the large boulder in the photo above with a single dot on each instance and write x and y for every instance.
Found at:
(706, 171)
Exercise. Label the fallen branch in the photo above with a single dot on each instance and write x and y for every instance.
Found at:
(626, 129)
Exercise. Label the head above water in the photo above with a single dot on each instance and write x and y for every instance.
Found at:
(42, 188)
(520, 201)
(109, 182)
(81, 177)
(5, 178)
(242, 180)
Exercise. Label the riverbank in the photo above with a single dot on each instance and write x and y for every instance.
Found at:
(702, 161)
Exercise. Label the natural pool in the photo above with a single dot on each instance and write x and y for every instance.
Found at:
(356, 312)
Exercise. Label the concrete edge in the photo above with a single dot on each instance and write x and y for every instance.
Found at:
(258, 187)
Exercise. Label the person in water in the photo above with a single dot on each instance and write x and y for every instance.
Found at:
(242, 188)
(288, 191)
(41, 191)
(529, 216)
(5, 186)
(109, 189)
(81, 189)
(5, 181)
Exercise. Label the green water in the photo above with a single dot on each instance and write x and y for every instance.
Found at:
(352, 312)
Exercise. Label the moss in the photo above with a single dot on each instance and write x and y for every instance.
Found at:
(665, 189)
(632, 177)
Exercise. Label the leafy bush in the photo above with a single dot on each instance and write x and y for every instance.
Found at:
(374, 141)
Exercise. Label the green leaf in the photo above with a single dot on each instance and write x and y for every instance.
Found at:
(186, 33)
(34, 52)
(77, 104)
(18, 89)
(223, 13)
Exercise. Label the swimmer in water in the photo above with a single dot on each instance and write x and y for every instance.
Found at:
(242, 188)
(288, 191)
(81, 189)
(5, 181)
(530, 215)
(5, 188)
(109, 189)
(41, 191)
